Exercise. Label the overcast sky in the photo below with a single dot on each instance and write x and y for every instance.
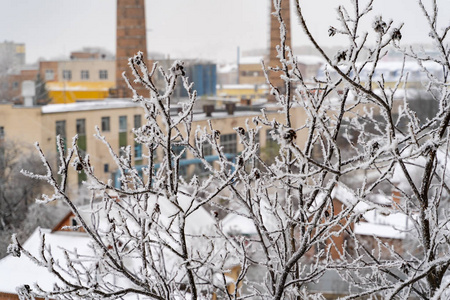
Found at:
(183, 28)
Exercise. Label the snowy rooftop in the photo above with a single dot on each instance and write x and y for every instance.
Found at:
(378, 218)
(227, 68)
(380, 230)
(241, 86)
(391, 70)
(379, 222)
(416, 166)
(199, 221)
(241, 224)
(250, 60)
(224, 114)
(88, 105)
(310, 59)
(21, 270)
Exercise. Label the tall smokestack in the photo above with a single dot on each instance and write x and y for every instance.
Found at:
(130, 39)
(274, 61)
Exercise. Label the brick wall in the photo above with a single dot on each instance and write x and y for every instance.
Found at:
(130, 39)
(15, 84)
(6, 296)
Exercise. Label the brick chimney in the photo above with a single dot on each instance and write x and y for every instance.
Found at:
(274, 77)
(130, 39)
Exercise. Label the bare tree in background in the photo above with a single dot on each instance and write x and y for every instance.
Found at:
(353, 143)
(5, 67)
(17, 192)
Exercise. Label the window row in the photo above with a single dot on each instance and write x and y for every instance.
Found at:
(67, 75)
(60, 128)
(105, 125)
(84, 74)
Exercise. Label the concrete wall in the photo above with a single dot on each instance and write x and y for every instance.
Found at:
(251, 74)
(92, 66)
(30, 125)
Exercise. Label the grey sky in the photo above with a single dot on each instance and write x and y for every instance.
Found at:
(183, 28)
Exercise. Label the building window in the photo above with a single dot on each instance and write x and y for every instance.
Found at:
(2, 132)
(81, 126)
(137, 146)
(122, 123)
(49, 75)
(200, 170)
(182, 171)
(103, 74)
(81, 132)
(61, 129)
(105, 124)
(138, 151)
(207, 149)
(74, 222)
(137, 121)
(228, 142)
(123, 139)
(178, 149)
(269, 138)
(15, 85)
(67, 74)
(84, 74)
(106, 168)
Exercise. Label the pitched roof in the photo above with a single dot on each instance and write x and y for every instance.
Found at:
(21, 270)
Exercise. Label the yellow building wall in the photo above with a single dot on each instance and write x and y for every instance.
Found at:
(242, 91)
(21, 124)
(251, 74)
(226, 125)
(70, 92)
(93, 66)
(29, 125)
(98, 152)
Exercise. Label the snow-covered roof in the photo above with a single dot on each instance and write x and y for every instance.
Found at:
(416, 166)
(224, 114)
(250, 60)
(241, 223)
(199, 221)
(377, 220)
(88, 105)
(234, 224)
(391, 70)
(227, 68)
(74, 86)
(394, 226)
(381, 222)
(310, 59)
(18, 271)
(21, 271)
(241, 86)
